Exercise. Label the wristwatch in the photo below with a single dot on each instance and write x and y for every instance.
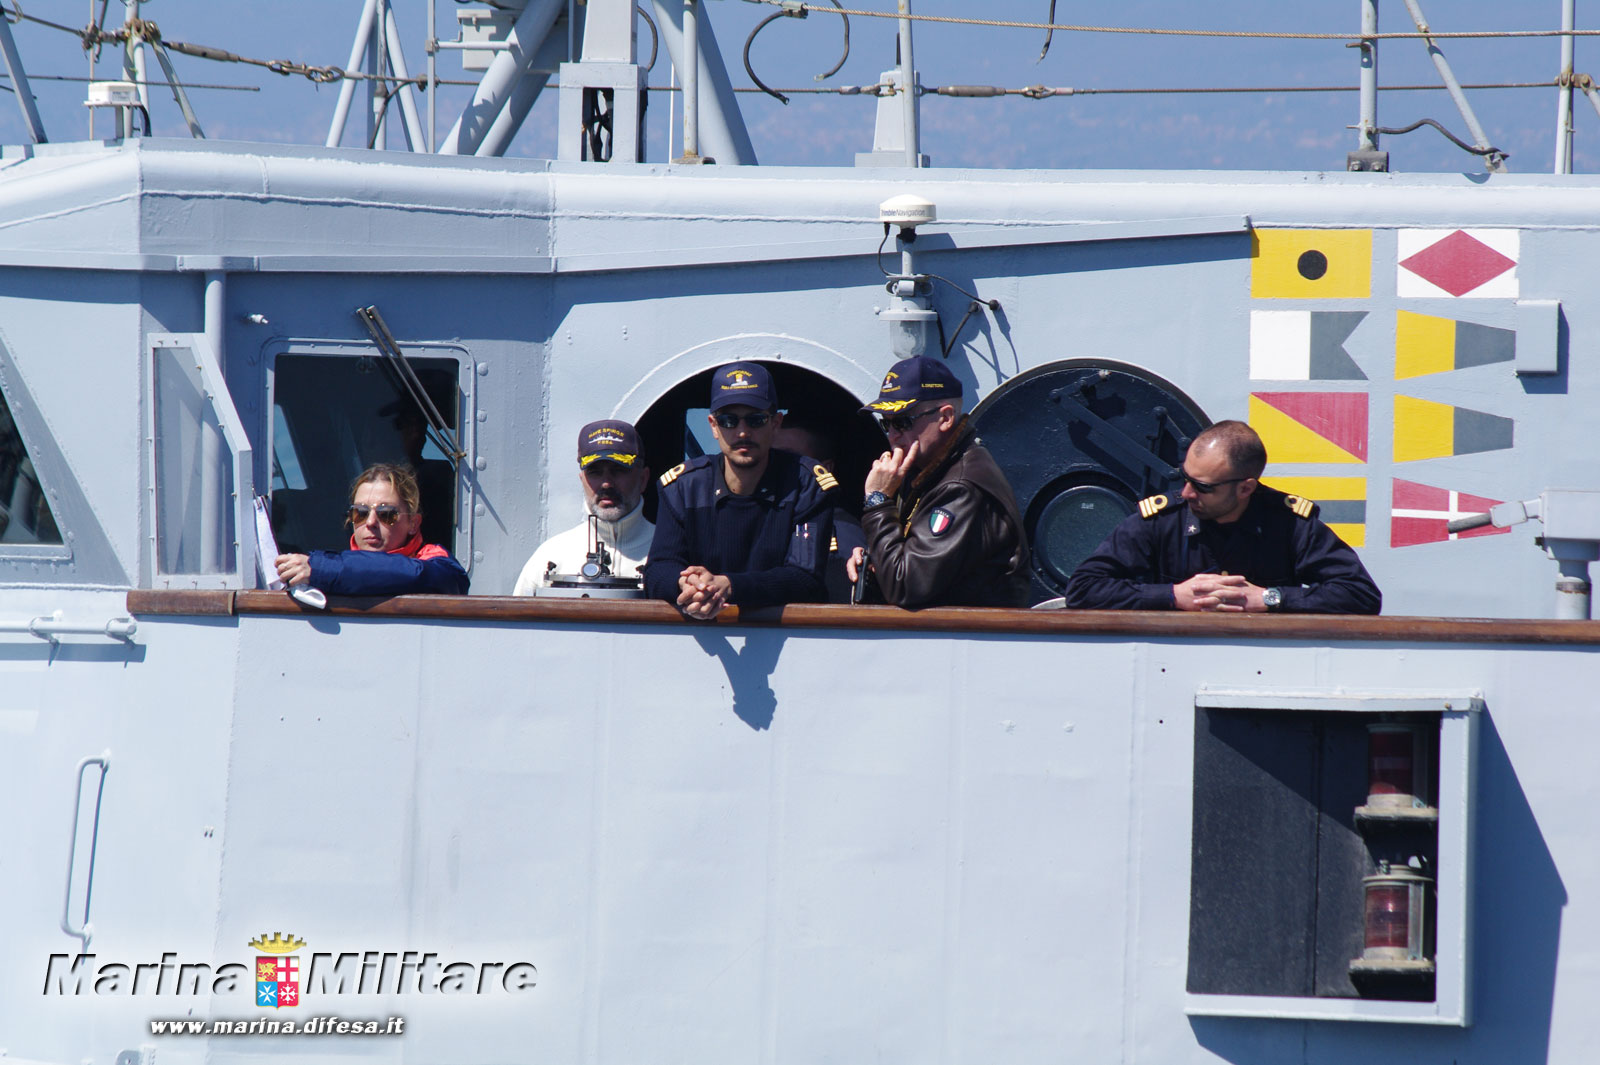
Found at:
(1272, 598)
(874, 499)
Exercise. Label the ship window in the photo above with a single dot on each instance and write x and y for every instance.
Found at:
(25, 515)
(1329, 861)
(286, 471)
(332, 418)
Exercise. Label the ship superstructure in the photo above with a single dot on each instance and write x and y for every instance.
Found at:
(1036, 834)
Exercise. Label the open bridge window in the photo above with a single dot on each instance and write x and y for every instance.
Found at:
(25, 515)
(335, 415)
(1330, 862)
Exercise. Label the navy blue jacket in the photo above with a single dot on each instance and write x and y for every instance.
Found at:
(772, 545)
(1279, 542)
(381, 573)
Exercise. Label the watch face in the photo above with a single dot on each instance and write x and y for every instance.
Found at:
(1271, 597)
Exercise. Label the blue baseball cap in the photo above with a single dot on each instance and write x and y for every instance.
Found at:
(912, 381)
(609, 441)
(744, 384)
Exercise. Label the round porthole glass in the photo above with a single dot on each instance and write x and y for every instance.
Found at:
(1073, 524)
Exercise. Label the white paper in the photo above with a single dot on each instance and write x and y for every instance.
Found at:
(267, 562)
(266, 549)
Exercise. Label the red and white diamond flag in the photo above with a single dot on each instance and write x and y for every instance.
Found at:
(1474, 263)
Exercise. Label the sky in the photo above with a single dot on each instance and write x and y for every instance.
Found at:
(1251, 131)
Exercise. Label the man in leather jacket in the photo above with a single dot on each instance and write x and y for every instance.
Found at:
(940, 520)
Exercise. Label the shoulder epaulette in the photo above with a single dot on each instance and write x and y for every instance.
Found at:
(825, 480)
(672, 474)
(1300, 505)
(1151, 506)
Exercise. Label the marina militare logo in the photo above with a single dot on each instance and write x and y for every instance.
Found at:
(279, 980)
(277, 970)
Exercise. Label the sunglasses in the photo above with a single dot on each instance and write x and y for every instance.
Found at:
(901, 423)
(1205, 488)
(754, 421)
(388, 514)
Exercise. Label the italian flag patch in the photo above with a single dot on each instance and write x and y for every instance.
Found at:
(939, 521)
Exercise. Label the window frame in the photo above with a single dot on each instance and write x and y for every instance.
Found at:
(1460, 712)
(467, 488)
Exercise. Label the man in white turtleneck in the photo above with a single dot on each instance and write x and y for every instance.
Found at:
(612, 469)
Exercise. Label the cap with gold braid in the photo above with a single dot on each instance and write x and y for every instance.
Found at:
(611, 441)
(912, 381)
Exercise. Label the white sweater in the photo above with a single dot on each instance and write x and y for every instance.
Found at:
(628, 541)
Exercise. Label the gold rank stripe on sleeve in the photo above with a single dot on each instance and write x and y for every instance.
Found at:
(1300, 505)
(825, 480)
(1151, 506)
(672, 474)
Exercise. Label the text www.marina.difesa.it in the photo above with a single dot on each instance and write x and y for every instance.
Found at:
(276, 1026)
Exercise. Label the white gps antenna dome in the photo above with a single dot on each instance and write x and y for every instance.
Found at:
(908, 212)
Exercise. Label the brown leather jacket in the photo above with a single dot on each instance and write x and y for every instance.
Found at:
(954, 536)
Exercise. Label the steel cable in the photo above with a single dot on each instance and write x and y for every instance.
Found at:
(960, 20)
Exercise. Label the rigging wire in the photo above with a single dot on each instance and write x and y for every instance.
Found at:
(960, 20)
(791, 13)
(655, 37)
(1048, 34)
(4, 77)
(1045, 92)
(1457, 141)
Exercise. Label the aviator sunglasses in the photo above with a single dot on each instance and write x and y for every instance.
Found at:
(901, 423)
(388, 514)
(1205, 488)
(754, 421)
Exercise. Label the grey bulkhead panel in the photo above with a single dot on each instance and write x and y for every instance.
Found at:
(71, 369)
(812, 857)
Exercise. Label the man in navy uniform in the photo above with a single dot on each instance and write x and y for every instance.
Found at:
(809, 438)
(748, 527)
(1229, 544)
(940, 519)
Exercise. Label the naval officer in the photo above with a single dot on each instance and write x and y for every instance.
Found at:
(749, 526)
(1228, 544)
(940, 519)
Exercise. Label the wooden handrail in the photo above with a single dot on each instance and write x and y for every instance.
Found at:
(1317, 628)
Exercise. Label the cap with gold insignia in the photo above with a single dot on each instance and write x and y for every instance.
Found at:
(743, 384)
(912, 381)
(609, 441)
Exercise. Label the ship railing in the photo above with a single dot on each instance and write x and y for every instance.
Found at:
(610, 613)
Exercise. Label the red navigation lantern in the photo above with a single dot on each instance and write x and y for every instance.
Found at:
(1399, 765)
(1398, 932)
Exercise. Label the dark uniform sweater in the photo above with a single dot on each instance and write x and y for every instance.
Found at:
(772, 545)
(1279, 542)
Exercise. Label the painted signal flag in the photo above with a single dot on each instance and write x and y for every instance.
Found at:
(1303, 345)
(1475, 263)
(1311, 426)
(1420, 513)
(1425, 344)
(1341, 502)
(1424, 429)
(1311, 264)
